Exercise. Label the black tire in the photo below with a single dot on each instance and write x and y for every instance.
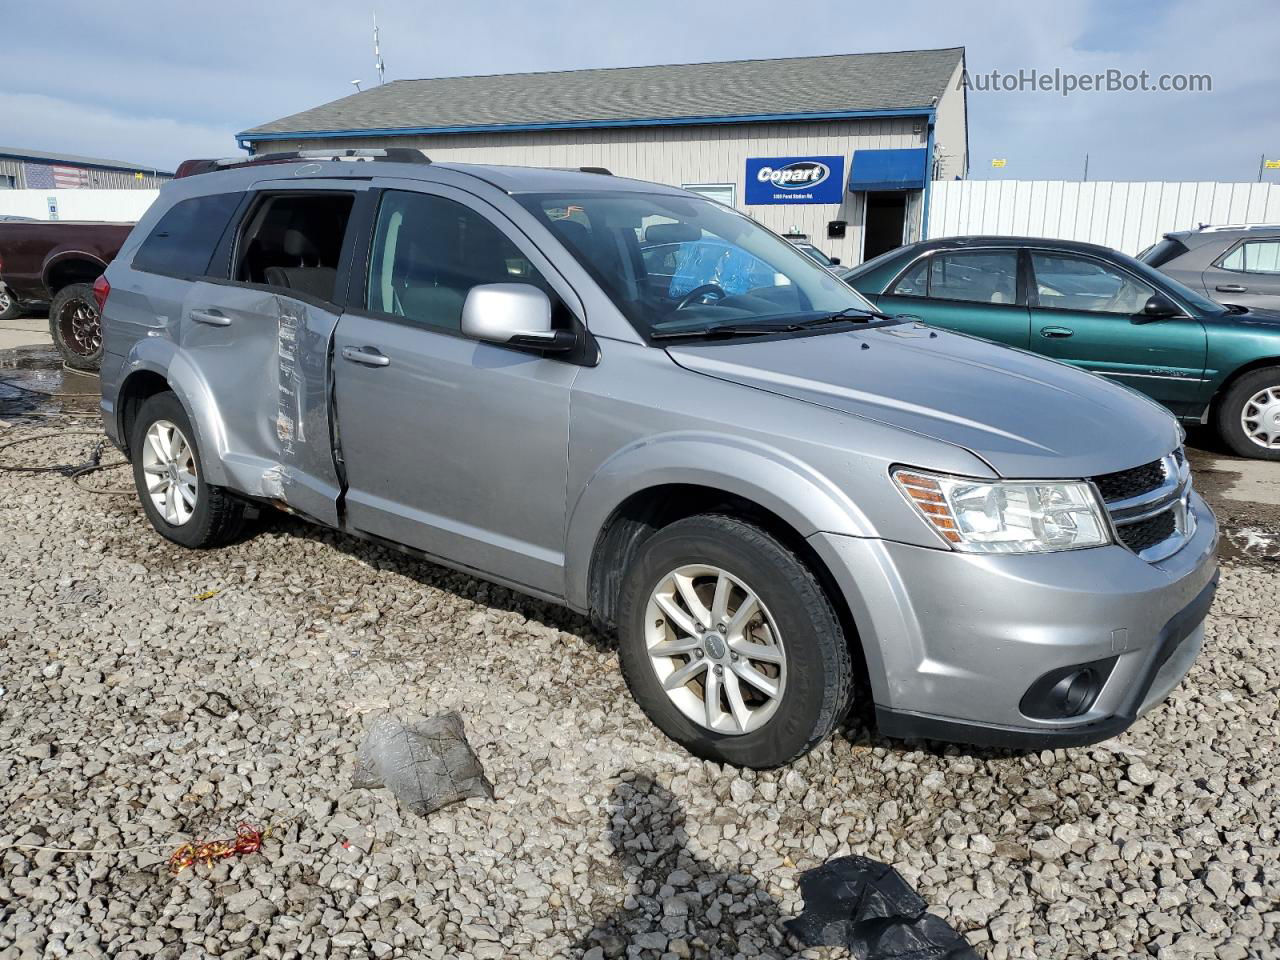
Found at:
(9, 307)
(819, 680)
(217, 517)
(1230, 409)
(75, 325)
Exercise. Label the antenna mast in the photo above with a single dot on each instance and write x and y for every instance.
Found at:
(377, 51)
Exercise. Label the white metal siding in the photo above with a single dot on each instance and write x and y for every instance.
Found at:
(713, 153)
(1126, 216)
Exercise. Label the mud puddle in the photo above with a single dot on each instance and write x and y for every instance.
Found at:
(34, 384)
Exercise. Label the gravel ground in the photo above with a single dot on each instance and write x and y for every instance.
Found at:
(142, 708)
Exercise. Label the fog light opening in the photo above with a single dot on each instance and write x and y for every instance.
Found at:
(1076, 692)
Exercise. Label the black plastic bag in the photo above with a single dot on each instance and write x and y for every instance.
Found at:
(866, 906)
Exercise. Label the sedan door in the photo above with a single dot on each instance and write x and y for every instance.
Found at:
(1089, 312)
(1248, 274)
(974, 291)
(453, 446)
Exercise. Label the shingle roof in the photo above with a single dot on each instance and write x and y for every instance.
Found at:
(838, 84)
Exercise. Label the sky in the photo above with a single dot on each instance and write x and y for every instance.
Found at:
(155, 83)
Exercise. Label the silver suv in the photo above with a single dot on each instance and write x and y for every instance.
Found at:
(781, 500)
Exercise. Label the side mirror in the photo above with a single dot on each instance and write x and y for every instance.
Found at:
(514, 315)
(1158, 307)
(835, 261)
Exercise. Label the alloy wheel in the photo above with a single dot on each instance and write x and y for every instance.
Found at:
(715, 649)
(1260, 418)
(81, 327)
(169, 465)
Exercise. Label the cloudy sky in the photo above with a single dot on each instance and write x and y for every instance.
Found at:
(158, 82)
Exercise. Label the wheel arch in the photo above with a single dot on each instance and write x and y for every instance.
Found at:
(155, 366)
(68, 267)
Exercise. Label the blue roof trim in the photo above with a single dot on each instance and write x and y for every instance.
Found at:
(251, 137)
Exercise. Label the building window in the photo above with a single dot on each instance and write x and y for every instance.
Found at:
(8, 182)
(719, 192)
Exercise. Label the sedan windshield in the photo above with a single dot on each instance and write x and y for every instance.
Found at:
(677, 265)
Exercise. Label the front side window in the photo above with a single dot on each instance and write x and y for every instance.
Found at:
(183, 241)
(979, 276)
(680, 265)
(428, 252)
(1067, 282)
(1255, 256)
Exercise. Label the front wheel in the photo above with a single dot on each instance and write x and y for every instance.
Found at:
(9, 307)
(730, 645)
(75, 325)
(170, 479)
(1249, 415)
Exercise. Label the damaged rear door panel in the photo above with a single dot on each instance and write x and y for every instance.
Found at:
(269, 355)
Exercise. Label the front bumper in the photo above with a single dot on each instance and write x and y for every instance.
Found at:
(954, 642)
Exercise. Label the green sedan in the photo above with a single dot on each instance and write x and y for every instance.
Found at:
(1100, 310)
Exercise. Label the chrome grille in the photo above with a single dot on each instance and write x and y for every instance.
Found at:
(1150, 506)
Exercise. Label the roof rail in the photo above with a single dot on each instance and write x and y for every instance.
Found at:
(190, 168)
(1206, 228)
(603, 171)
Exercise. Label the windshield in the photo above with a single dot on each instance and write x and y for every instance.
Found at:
(1162, 280)
(675, 264)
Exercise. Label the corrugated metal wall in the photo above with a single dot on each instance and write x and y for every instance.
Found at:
(1126, 216)
(711, 154)
(98, 179)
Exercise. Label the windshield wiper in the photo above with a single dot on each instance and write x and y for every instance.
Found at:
(726, 330)
(850, 313)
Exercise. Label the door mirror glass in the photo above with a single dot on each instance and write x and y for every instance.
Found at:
(512, 314)
(1159, 307)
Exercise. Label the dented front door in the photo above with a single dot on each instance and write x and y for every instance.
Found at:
(266, 357)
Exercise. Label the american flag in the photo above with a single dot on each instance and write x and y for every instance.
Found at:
(42, 176)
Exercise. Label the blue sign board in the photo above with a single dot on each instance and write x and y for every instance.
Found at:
(795, 180)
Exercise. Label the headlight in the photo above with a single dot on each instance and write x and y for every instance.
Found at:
(1015, 516)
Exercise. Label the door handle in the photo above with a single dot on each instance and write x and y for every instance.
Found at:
(1056, 333)
(212, 318)
(366, 355)
(1231, 288)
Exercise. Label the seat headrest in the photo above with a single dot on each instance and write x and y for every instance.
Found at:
(296, 244)
(574, 233)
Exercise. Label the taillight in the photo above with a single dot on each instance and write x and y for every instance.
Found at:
(101, 290)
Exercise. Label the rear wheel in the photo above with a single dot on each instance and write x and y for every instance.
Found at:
(170, 479)
(76, 326)
(1249, 415)
(729, 644)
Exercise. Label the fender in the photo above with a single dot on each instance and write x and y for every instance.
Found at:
(58, 256)
(806, 500)
(161, 356)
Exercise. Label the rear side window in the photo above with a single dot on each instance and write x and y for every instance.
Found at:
(182, 243)
(1255, 256)
(292, 242)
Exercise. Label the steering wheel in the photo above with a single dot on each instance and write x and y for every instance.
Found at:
(707, 289)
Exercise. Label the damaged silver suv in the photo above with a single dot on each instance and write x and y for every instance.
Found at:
(641, 404)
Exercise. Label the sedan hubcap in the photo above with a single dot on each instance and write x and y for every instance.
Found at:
(715, 649)
(169, 466)
(1261, 418)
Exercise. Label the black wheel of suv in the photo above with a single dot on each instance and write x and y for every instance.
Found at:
(76, 326)
(729, 644)
(170, 479)
(1249, 415)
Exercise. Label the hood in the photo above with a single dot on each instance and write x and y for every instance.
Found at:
(1024, 415)
(1262, 315)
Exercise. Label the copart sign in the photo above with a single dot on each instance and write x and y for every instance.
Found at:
(795, 180)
